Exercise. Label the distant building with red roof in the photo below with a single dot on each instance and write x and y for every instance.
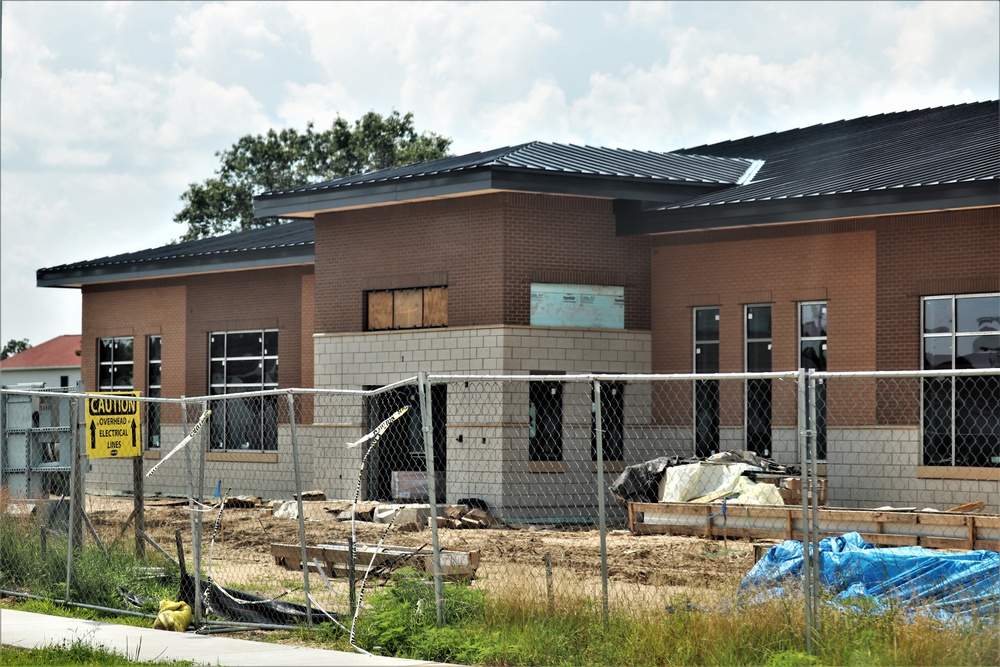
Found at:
(55, 362)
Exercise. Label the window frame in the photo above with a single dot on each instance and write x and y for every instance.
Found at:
(114, 362)
(957, 448)
(258, 408)
(820, 426)
(153, 390)
(612, 419)
(751, 385)
(539, 450)
(706, 391)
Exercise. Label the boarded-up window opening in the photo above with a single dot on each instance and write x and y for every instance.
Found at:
(416, 308)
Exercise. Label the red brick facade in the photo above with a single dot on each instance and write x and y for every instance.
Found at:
(488, 249)
(183, 311)
(861, 267)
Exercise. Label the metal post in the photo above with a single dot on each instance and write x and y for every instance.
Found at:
(602, 519)
(80, 493)
(298, 496)
(138, 505)
(804, 460)
(425, 417)
(74, 482)
(196, 563)
(814, 493)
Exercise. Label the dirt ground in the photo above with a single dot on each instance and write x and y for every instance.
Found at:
(649, 570)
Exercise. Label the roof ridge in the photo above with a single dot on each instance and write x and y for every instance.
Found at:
(831, 124)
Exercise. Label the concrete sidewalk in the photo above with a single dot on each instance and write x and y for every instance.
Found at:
(27, 630)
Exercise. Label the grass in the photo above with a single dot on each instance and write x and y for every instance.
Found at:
(508, 630)
(28, 566)
(498, 631)
(78, 652)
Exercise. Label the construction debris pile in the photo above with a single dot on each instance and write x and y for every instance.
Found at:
(731, 475)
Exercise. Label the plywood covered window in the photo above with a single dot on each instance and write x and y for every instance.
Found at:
(413, 308)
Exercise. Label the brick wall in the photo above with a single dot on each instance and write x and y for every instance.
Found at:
(927, 255)
(185, 310)
(489, 247)
(139, 310)
(777, 265)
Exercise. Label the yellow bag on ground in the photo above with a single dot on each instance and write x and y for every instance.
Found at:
(174, 616)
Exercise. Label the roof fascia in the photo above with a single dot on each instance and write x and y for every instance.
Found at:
(632, 220)
(167, 268)
(595, 185)
(472, 181)
(308, 204)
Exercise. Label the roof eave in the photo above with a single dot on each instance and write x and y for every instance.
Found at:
(476, 181)
(972, 194)
(170, 268)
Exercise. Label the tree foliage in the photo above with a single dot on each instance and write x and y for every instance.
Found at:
(13, 347)
(289, 158)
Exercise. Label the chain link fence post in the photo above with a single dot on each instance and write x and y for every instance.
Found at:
(299, 506)
(602, 518)
(428, 435)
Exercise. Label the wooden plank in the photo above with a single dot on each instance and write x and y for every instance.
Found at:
(883, 528)
(883, 540)
(408, 308)
(379, 310)
(435, 306)
(944, 543)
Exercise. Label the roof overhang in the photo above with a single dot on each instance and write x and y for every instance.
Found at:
(309, 203)
(171, 268)
(632, 219)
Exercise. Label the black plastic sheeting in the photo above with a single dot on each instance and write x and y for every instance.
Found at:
(240, 607)
(235, 606)
(641, 483)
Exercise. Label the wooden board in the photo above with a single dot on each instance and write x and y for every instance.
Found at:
(408, 308)
(379, 310)
(768, 522)
(335, 559)
(435, 306)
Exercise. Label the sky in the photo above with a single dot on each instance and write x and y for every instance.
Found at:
(109, 110)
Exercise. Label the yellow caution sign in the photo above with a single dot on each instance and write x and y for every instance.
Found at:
(113, 424)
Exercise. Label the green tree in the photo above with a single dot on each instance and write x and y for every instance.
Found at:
(289, 158)
(14, 346)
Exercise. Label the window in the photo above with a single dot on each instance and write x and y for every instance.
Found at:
(706, 392)
(114, 372)
(612, 421)
(812, 356)
(758, 392)
(417, 308)
(153, 391)
(242, 361)
(545, 421)
(961, 415)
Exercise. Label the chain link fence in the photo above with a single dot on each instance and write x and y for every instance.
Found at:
(620, 493)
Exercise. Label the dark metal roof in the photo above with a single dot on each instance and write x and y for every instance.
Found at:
(564, 158)
(929, 159)
(585, 171)
(898, 150)
(275, 245)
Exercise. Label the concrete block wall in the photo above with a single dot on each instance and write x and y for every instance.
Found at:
(878, 466)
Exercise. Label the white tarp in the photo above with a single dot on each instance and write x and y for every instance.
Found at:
(686, 483)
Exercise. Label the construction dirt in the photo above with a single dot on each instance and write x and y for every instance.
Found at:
(652, 569)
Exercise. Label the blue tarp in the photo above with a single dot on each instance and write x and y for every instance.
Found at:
(946, 585)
